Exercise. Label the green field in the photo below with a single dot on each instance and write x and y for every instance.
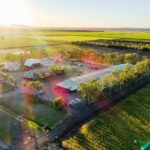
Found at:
(28, 37)
(118, 128)
(42, 113)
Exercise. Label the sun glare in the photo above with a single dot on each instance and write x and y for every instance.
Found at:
(14, 12)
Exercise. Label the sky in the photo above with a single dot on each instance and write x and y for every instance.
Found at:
(76, 13)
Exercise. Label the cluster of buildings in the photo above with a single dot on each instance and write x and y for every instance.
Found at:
(30, 64)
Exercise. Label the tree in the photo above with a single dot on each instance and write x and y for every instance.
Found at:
(113, 58)
(8, 79)
(55, 69)
(68, 69)
(90, 91)
(132, 58)
(24, 85)
(12, 80)
(4, 76)
(38, 86)
(115, 81)
(32, 88)
(59, 102)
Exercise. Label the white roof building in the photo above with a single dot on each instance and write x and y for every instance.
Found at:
(47, 62)
(12, 66)
(30, 62)
(74, 83)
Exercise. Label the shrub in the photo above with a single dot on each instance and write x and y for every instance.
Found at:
(59, 102)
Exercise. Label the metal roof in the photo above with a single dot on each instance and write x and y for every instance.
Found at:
(73, 84)
(29, 62)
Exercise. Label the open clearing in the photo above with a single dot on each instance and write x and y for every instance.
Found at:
(118, 128)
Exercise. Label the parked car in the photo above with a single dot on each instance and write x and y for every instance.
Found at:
(41, 93)
(75, 103)
(29, 75)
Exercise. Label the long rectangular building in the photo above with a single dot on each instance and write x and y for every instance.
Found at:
(73, 84)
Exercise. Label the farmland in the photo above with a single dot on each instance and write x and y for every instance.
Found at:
(115, 129)
(10, 38)
(118, 44)
(118, 128)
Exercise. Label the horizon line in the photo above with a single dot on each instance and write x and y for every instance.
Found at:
(65, 27)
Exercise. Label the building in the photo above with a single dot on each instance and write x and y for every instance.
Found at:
(31, 62)
(47, 62)
(11, 66)
(74, 83)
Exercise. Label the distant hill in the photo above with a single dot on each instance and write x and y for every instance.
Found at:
(67, 29)
(95, 29)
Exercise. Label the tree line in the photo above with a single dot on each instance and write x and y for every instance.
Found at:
(75, 52)
(112, 83)
(118, 58)
(120, 44)
(31, 88)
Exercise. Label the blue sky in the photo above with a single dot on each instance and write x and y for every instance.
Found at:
(94, 13)
(84, 13)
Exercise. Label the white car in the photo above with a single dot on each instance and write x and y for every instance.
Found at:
(74, 102)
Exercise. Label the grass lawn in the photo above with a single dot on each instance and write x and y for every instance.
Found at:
(43, 113)
(117, 128)
(9, 128)
(4, 88)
